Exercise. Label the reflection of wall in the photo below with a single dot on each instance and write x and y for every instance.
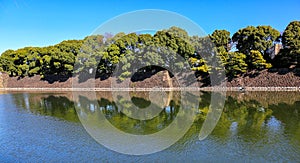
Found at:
(160, 98)
(266, 98)
(108, 95)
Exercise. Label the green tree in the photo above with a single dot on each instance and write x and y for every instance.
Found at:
(178, 32)
(291, 43)
(68, 51)
(59, 59)
(90, 53)
(145, 50)
(204, 50)
(7, 62)
(173, 40)
(259, 38)
(257, 61)
(33, 61)
(235, 63)
(221, 39)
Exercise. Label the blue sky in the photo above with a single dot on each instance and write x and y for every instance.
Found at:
(40, 22)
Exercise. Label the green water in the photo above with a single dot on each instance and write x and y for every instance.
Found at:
(252, 126)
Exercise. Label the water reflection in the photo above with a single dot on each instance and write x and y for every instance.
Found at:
(258, 121)
(138, 130)
(58, 105)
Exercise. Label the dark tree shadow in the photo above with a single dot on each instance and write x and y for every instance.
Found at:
(283, 71)
(252, 74)
(296, 71)
(51, 78)
(147, 72)
(204, 79)
(85, 75)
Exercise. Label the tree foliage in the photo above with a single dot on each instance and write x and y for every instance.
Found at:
(234, 63)
(106, 54)
(221, 39)
(259, 38)
(291, 43)
(257, 61)
(58, 59)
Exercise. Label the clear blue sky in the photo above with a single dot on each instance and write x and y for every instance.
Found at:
(40, 22)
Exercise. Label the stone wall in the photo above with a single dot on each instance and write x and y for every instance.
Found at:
(1, 81)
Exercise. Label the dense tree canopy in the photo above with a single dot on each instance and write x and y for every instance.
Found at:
(58, 59)
(248, 49)
(259, 38)
(291, 43)
(291, 36)
(221, 39)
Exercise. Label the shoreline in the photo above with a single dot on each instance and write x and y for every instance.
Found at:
(264, 81)
(233, 89)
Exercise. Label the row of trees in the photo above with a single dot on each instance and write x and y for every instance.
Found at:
(249, 48)
(29, 61)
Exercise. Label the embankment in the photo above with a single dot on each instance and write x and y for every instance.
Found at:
(279, 80)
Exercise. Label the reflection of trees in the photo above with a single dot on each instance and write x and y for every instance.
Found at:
(289, 116)
(130, 125)
(140, 102)
(244, 118)
(123, 122)
(50, 105)
(248, 118)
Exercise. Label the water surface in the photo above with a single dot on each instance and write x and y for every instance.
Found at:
(253, 126)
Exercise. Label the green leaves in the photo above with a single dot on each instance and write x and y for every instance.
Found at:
(234, 63)
(102, 53)
(221, 38)
(291, 44)
(34, 71)
(291, 35)
(29, 61)
(257, 61)
(259, 38)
